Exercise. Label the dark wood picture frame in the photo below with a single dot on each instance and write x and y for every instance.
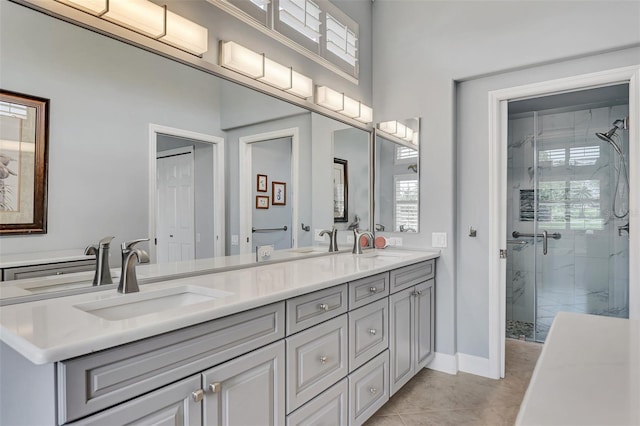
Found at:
(278, 193)
(25, 216)
(262, 183)
(340, 190)
(262, 201)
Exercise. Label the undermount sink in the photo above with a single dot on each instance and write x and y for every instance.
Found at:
(137, 304)
(379, 254)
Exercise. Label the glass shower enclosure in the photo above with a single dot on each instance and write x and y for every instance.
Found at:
(567, 219)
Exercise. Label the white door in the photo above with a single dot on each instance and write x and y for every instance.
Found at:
(175, 186)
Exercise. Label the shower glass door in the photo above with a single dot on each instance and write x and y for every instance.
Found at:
(567, 251)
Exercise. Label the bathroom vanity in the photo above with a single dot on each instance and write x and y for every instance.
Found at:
(328, 338)
(40, 264)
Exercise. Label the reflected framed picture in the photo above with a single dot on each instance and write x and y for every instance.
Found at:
(262, 201)
(278, 193)
(24, 133)
(340, 191)
(261, 184)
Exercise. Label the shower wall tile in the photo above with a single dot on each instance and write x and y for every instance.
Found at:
(592, 273)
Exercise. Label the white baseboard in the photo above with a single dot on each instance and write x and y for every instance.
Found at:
(474, 365)
(445, 363)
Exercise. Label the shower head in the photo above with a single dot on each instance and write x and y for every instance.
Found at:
(618, 124)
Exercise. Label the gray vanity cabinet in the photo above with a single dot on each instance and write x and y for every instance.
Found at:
(411, 320)
(36, 271)
(247, 390)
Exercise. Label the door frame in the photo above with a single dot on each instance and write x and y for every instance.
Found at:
(184, 150)
(246, 181)
(218, 182)
(498, 122)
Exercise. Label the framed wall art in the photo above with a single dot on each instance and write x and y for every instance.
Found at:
(278, 193)
(261, 183)
(24, 133)
(262, 202)
(340, 190)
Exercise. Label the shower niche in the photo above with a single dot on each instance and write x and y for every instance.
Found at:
(568, 208)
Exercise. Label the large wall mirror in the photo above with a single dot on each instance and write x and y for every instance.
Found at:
(397, 177)
(133, 134)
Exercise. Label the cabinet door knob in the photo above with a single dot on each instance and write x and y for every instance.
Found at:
(323, 359)
(373, 289)
(197, 395)
(59, 273)
(324, 306)
(215, 387)
(373, 390)
(372, 331)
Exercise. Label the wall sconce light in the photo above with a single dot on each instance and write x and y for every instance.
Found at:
(148, 19)
(339, 102)
(257, 66)
(399, 130)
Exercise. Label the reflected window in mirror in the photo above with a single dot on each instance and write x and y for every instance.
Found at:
(397, 179)
(340, 190)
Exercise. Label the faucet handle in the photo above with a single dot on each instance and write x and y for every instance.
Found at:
(128, 245)
(106, 241)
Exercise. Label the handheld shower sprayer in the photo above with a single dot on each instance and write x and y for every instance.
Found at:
(608, 137)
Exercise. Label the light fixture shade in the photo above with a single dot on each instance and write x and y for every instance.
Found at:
(301, 85)
(185, 34)
(351, 108)
(241, 59)
(388, 126)
(329, 98)
(94, 7)
(366, 114)
(139, 15)
(276, 75)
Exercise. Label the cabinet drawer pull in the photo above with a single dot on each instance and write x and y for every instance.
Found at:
(372, 331)
(373, 290)
(59, 273)
(197, 395)
(417, 292)
(323, 360)
(373, 390)
(324, 306)
(215, 387)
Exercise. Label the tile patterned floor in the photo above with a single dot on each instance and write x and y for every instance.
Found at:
(435, 398)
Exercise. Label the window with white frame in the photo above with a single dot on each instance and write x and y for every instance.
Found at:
(341, 40)
(405, 203)
(404, 154)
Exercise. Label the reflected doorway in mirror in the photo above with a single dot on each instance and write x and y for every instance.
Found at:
(340, 190)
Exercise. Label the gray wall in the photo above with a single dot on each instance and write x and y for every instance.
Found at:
(430, 45)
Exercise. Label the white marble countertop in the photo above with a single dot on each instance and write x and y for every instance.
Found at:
(56, 329)
(588, 374)
(42, 258)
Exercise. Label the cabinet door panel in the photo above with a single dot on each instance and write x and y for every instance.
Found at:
(172, 405)
(248, 390)
(368, 389)
(401, 338)
(368, 335)
(327, 409)
(424, 320)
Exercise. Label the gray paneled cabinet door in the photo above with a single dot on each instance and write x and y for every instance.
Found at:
(401, 346)
(172, 405)
(248, 390)
(424, 320)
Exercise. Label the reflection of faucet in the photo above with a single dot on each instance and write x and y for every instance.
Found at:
(404, 228)
(357, 234)
(128, 279)
(333, 238)
(623, 228)
(355, 224)
(380, 227)
(101, 252)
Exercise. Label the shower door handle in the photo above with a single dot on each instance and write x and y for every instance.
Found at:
(545, 238)
(545, 245)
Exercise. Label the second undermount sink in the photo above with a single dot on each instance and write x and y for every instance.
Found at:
(137, 304)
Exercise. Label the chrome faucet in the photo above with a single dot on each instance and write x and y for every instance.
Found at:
(333, 238)
(357, 234)
(128, 279)
(101, 252)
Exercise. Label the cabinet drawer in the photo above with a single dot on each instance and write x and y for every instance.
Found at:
(408, 276)
(367, 290)
(93, 382)
(171, 405)
(328, 408)
(311, 309)
(316, 358)
(368, 389)
(368, 332)
(36, 271)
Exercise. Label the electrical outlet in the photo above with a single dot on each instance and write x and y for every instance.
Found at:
(317, 236)
(439, 239)
(234, 240)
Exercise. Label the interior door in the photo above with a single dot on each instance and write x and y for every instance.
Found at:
(175, 186)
